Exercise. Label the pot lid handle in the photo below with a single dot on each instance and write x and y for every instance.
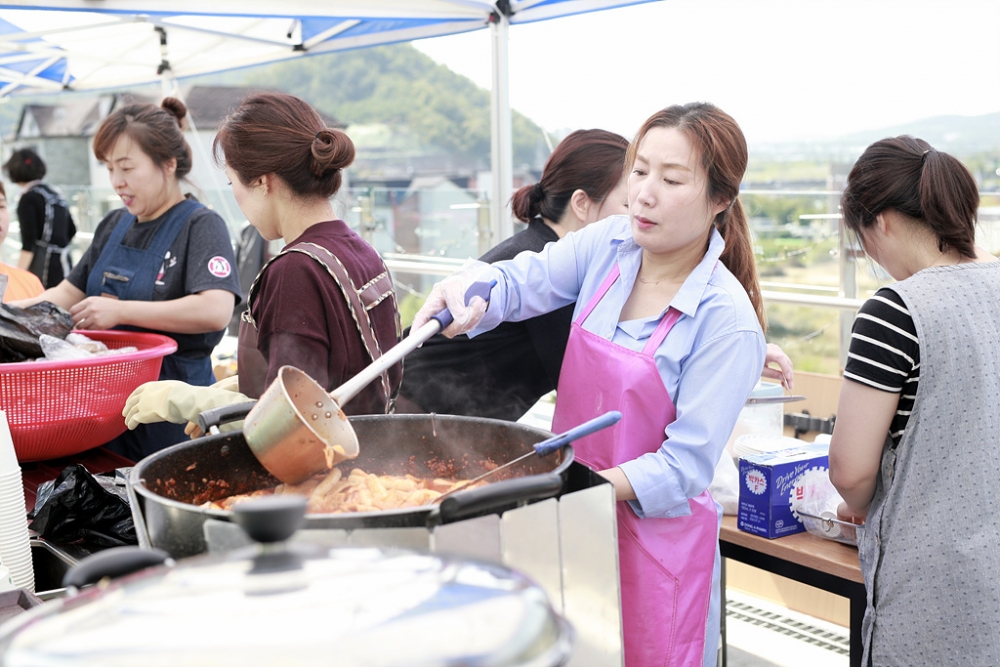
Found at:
(271, 518)
(114, 562)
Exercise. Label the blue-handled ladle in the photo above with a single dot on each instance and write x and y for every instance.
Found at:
(545, 447)
(296, 429)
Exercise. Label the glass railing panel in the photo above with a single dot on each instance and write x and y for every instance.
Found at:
(807, 270)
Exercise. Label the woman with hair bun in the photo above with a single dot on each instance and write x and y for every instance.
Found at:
(163, 263)
(667, 329)
(503, 372)
(915, 444)
(325, 304)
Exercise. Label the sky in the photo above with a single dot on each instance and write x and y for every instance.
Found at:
(784, 69)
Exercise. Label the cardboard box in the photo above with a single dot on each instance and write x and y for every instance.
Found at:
(769, 482)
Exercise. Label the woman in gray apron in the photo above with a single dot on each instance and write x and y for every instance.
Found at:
(44, 218)
(164, 263)
(916, 442)
(325, 304)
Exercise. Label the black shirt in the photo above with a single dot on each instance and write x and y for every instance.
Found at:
(31, 219)
(501, 373)
(200, 258)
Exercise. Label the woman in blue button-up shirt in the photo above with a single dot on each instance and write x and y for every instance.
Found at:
(678, 271)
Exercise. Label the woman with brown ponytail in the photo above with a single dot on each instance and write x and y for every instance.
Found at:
(916, 442)
(325, 304)
(668, 330)
(502, 373)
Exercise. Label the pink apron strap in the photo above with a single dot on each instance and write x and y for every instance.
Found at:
(662, 329)
(601, 291)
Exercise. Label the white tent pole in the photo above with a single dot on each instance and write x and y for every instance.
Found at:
(500, 133)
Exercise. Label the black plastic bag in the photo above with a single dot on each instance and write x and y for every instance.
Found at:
(77, 507)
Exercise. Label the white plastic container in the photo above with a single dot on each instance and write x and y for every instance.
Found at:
(767, 418)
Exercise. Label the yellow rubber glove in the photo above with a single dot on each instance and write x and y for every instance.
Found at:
(174, 401)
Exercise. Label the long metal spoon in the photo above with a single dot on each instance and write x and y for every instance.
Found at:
(763, 400)
(546, 447)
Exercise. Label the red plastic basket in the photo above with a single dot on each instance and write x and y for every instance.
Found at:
(59, 408)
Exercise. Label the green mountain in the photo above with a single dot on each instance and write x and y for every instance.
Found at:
(962, 136)
(954, 134)
(399, 86)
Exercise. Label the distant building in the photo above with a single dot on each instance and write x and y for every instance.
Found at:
(400, 194)
(63, 135)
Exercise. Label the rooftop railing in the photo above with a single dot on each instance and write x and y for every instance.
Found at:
(814, 277)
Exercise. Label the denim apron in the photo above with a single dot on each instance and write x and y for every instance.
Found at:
(666, 565)
(129, 274)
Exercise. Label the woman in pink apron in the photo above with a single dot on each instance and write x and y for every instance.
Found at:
(668, 330)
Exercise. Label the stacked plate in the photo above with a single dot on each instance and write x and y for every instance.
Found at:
(15, 551)
(759, 443)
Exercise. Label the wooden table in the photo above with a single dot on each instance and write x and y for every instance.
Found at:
(803, 557)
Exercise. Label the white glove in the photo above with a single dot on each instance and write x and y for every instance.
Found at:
(450, 294)
(174, 401)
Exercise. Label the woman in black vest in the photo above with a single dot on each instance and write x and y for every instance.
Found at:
(46, 224)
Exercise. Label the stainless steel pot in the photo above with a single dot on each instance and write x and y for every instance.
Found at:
(283, 603)
(168, 487)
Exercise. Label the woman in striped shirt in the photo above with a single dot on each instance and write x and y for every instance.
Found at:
(917, 437)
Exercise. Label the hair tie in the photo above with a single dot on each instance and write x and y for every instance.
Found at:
(923, 157)
(537, 193)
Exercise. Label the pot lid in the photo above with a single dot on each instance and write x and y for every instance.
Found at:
(299, 604)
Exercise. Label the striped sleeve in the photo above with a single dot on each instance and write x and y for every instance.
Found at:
(884, 351)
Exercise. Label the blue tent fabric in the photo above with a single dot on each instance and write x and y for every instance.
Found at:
(56, 45)
(52, 45)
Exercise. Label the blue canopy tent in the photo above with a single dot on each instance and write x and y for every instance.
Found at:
(56, 45)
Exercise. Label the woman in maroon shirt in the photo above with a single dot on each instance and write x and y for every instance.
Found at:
(326, 303)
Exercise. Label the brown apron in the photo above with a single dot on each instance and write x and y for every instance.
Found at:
(252, 364)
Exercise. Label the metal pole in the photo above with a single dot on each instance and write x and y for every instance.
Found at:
(366, 202)
(483, 226)
(500, 131)
(848, 272)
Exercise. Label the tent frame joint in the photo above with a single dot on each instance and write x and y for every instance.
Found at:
(502, 8)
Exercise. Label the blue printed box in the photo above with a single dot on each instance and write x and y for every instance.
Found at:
(768, 484)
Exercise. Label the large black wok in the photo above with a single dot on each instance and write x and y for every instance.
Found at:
(168, 487)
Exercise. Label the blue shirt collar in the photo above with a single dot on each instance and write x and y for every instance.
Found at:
(693, 289)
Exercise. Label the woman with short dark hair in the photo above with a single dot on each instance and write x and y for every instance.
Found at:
(916, 441)
(46, 224)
